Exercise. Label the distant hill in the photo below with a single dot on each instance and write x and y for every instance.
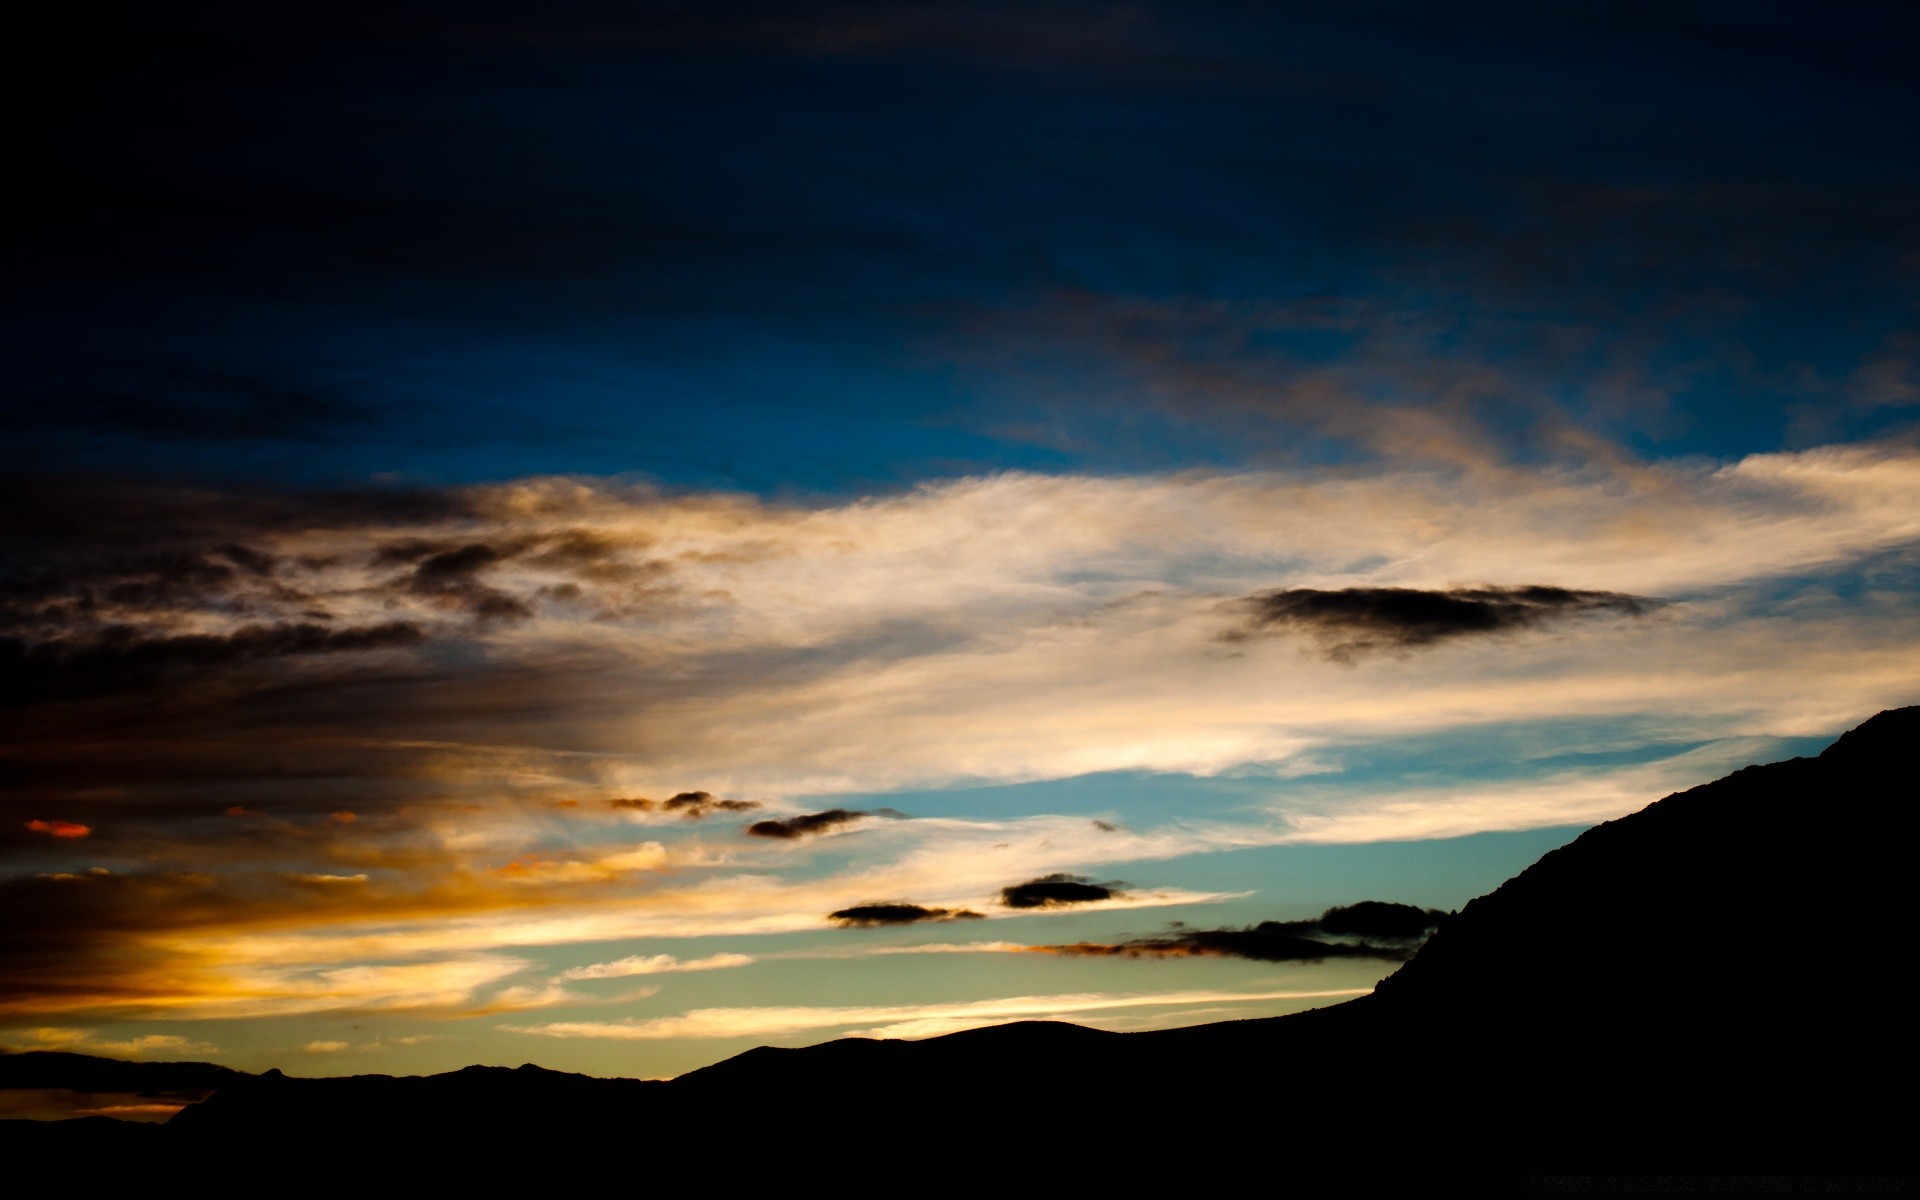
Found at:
(1712, 984)
(88, 1073)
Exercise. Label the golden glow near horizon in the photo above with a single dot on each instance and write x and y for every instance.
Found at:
(449, 827)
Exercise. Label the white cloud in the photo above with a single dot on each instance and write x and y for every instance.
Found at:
(902, 1021)
(86, 1041)
(1022, 626)
(653, 964)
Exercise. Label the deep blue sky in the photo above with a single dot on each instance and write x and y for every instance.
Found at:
(829, 249)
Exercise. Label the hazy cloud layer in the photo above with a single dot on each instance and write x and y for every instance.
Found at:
(240, 670)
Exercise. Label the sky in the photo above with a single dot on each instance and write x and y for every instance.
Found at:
(608, 535)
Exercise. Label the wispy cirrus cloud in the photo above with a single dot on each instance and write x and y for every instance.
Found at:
(655, 964)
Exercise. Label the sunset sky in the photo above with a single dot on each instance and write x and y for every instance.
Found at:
(518, 514)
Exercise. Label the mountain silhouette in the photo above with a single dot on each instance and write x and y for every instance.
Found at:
(89, 1073)
(1711, 984)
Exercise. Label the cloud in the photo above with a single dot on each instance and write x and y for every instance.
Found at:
(333, 1046)
(806, 825)
(1395, 929)
(900, 913)
(691, 805)
(984, 630)
(1052, 891)
(654, 964)
(539, 870)
(60, 829)
(451, 578)
(916, 1020)
(87, 1041)
(552, 994)
(155, 1110)
(446, 986)
(1355, 621)
(117, 659)
(694, 805)
(1377, 919)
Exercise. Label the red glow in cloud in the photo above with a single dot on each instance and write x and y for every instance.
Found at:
(60, 829)
(343, 818)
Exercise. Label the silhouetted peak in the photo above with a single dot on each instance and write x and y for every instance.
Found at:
(1895, 731)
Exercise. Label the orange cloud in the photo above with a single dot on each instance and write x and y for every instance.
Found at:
(343, 818)
(60, 829)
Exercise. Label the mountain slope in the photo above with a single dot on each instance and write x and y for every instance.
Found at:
(1707, 984)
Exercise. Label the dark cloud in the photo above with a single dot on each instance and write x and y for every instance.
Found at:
(120, 658)
(449, 572)
(1351, 622)
(691, 805)
(805, 825)
(451, 577)
(898, 913)
(1052, 891)
(1376, 929)
(1378, 919)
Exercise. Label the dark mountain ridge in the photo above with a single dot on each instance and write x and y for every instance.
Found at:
(1707, 984)
(90, 1073)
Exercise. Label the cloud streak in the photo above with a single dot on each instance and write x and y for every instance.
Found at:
(654, 964)
(1369, 929)
(898, 1021)
(804, 826)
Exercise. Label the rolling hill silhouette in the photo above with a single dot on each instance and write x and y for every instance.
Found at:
(1711, 984)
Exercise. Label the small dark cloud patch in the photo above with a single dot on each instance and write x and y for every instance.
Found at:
(1369, 929)
(1377, 919)
(452, 578)
(694, 805)
(1353, 622)
(1106, 826)
(691, 805)
(805, 825)
(899, 913)
(1054, 891)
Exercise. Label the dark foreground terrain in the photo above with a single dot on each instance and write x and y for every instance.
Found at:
(1713, 986)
